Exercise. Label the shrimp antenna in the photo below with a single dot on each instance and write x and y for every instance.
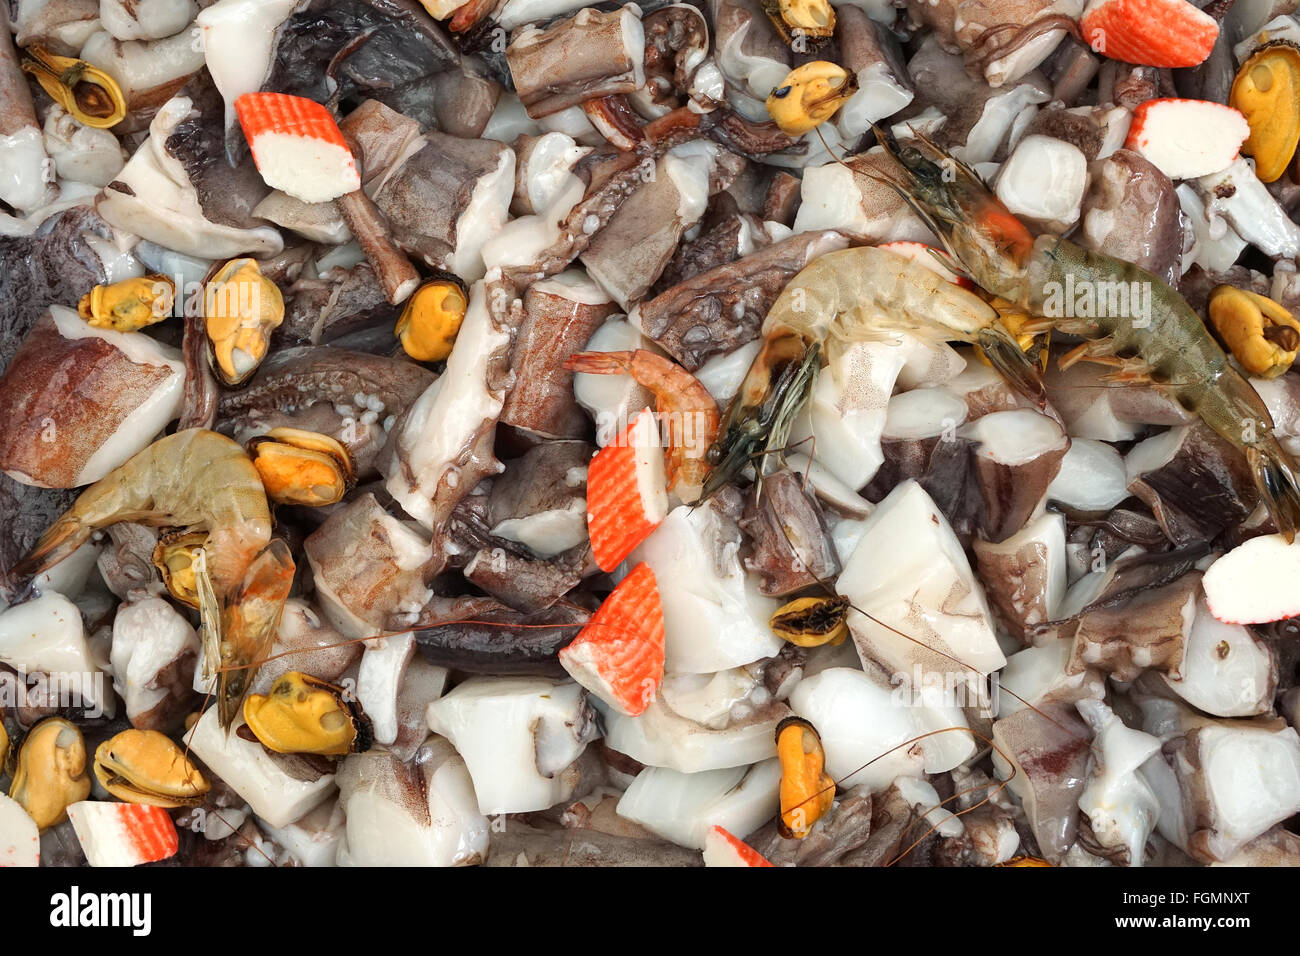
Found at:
(829, 151)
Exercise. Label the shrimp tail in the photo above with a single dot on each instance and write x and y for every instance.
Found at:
(60, 539)
(1014, 364)
(1277, 483)
(249, 622)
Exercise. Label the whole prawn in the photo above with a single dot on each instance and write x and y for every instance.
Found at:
(1163, 343)
(851, 295)
(681, 402)
(198, 480)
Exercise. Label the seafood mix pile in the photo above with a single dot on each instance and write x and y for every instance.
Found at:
(737, 433)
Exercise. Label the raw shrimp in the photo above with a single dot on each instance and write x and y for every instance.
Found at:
(851, 295)
(1131, 319)
(681, 402)
(197, 480)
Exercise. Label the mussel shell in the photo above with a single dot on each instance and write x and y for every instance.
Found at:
(173, 542)
(362, 732)
(114, 776)
(87, 92)
(218, 273)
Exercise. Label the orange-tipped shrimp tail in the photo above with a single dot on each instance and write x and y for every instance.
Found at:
(250, 618)
(60, 539)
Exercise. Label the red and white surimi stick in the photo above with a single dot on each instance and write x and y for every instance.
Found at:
(619, 654)
(20, 840)
(924, 255)
(297, 146)
(1255, 582)
(723, 849)
(123, 834)
(627, 493)
(1163, 33)
(1185, 139)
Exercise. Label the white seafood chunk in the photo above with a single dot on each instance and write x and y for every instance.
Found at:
(519, 737)
(848, 409)
(661, 737)
(611, 399)
(510, 120)
(1226, 670)
(366, 565)
(23, 182)
(996, 119)
(714, 616)
(398, 815)
(682, 807)
(81, 153)
(20, 841)
(45, 635)
(1043, 181)
(863, 727)
(152, 643)
(70, 576)
(446, 419)
(1024, 577)
(1042, 673)
(925, 800)
(910, 573)
(1250, 209)
(1121, 806)
(1221, 783)
(721, 375)
(313, 839)
(238, 36)
(245, 766)
(829, 488)
(144, 67)
(162, 205)
(834, 197)
(1092, 477)
(378, 679)
(145, 19)
(1216, 245)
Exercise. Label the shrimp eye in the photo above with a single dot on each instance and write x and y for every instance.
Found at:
(782, 93)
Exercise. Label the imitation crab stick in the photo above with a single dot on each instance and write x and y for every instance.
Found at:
(1185, 139)
(724, 849)
(297, 146)
(1163, 33)
(123, 834)
(1254, 583)
(619, 654)
(626, 493)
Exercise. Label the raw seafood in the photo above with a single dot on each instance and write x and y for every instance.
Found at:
(524, 432)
